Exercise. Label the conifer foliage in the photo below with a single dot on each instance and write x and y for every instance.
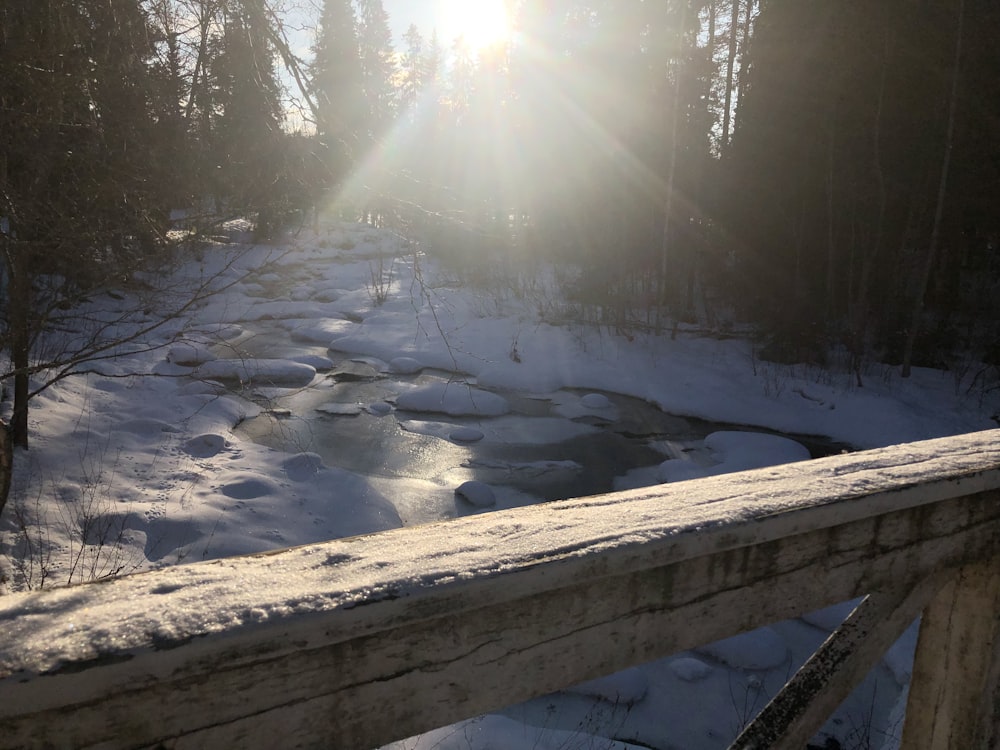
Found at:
(826, 172)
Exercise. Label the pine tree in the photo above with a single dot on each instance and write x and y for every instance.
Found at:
(337, 87)
(78, 198)
(411, 70)
(167, 73)
(432, 63)
(378, 67)
(247, 132)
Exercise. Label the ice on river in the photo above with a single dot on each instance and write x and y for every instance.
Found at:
(735, 451)
(454, 399)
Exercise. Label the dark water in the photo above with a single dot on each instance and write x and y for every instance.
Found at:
(512, 454)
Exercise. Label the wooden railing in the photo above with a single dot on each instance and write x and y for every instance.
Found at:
(356, 642)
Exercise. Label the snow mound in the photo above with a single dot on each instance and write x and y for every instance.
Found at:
(758, 649)
(476, 493)
(626, 687)
(379, 408)
(689, 669)
(405, 366)
(249, 488)
(189, 355)
(443, 430)
(454, 399)
(537, 430)
(321, 331)
(276, 372)
(302, 466)
(205, 446)
(341, 410)
(466, 435)
(754, 450)
(735, 451)
(317, 361)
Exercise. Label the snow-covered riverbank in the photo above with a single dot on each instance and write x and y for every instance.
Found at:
(138, 465)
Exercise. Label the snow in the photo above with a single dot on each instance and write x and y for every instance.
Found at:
(274, 372)
(405, 365)
(455, 399)
(149, 445)
(690, 669)
(830, 618)
(759, 649)
(625, 687)
(494, 732)
(476, 493)
(735, 451)
(343, 410)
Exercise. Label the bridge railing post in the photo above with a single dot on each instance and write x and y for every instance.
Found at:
(954, 697)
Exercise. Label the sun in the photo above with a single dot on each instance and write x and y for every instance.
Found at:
(481, 23)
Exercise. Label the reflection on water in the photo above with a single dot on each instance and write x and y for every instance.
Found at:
(539, 451)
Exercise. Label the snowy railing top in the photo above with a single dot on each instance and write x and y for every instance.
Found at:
(360, 641)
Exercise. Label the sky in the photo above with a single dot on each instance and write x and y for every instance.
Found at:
(404, 12)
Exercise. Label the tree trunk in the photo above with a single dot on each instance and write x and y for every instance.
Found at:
(6, 464)
(727, 110)
(19, 320)
(668, 207)
(859, 313)
(932, 246)
(745, 46)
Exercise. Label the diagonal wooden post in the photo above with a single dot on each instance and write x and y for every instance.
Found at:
(955, 693)
(799, 710)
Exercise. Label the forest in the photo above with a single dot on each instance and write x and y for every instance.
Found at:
(824, 176)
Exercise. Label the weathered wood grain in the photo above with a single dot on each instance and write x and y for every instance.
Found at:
(803, 705)
(360, 641)
(955, 668)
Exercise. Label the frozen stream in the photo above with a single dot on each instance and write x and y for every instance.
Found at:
(361, 416)
(559, 445)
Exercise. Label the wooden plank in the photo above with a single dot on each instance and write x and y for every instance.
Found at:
(954, 700)
(803, 705)
(306, 679)
(375, 638)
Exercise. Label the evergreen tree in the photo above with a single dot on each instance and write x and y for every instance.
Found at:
(174, 151)
(832, 170)
(247, 134)
(78, 198)
(337, 86)
(432, 63)
(378, 67)
(411, 80)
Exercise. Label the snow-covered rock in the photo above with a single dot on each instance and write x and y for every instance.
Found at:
(405, 365)
(466, 435)
(476, 493)
(189, 355)
(341, 410)
(275, 372)
(736, 451)
(455, 399)
(690, 669)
